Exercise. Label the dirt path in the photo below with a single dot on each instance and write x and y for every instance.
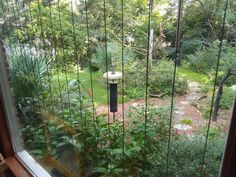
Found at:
(185, 107)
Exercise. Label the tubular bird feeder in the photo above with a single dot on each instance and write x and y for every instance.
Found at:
(113, 78)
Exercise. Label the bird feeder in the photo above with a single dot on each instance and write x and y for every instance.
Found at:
(113, 78)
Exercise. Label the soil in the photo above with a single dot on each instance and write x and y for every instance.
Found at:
(185, 107)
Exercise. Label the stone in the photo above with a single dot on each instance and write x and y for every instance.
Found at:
(182, 127)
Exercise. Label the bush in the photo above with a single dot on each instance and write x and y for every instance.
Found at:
(190, 47)
(161, 79)
(113, 52)
(205, 60)
(206, 88)
(186, 157)
(227, 98)
(135, 92)
(206, 111)
(27, 70)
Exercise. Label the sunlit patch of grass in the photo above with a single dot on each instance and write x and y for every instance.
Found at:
(99, 88)
(192, 76)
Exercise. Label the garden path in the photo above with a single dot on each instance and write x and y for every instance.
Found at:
(185, 108)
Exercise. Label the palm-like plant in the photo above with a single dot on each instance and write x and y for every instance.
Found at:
(28, 68)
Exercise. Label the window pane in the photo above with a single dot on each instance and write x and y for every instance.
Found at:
(174, 98)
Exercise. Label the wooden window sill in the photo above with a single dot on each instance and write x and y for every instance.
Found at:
(16, 167)
(23, 165)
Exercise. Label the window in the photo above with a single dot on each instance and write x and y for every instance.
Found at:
(153, 114)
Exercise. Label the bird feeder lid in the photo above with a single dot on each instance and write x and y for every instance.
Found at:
(112, 75)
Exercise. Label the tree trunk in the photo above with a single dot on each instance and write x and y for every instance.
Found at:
(219, 94)
(217, 102)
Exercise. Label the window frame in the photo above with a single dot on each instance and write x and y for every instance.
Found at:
(228, 167)
(20, 163)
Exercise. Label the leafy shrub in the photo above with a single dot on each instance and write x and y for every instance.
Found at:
(186, 121)
(113, 52)
(27, 70)
(206, 112)
(135, 92)
(181, 85)
(227, 98)
(59, 35)
(205, 60)
(188, 151)
(214, 131)
(190, 47)
(206, 88)
(161, 79)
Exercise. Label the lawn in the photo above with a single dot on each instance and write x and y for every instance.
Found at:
(191, 75)
(99, 88)
(99, 85)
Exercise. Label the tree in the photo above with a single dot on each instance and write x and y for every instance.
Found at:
(50, 27)
(230, 72)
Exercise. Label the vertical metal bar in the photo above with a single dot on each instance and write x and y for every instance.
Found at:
(44, 47)
(91, 83)
(63, 55)
(173, 84)
(90, 61)
(122, 82)
(107, 68)
(76, 58)
(56, 60)
(147, 72)
(214, 87)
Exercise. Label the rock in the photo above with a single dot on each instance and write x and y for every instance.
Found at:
(184, 102)
(182, 127)
(179, 112)
(135, 105)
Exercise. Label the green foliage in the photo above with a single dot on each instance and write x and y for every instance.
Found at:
(51, 28)
(91, 140)
(54, 125)
(206, 88)
(161, 79)
(188, 151)
(135, 92)
(204, 61)
(28, 67)
(113, 52)
(227, 98)
(191, 75)
(206, 111)
(190, 47)
(186, 121)
(202, 20)
(34, 139)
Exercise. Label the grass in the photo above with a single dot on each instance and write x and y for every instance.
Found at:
(99, 88)
(193, 76)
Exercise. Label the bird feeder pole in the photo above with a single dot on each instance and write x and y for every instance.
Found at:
(113, 77)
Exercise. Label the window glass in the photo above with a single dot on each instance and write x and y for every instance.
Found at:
(162, 110)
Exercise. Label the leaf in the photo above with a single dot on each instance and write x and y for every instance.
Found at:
(101, 170)
(117, 151)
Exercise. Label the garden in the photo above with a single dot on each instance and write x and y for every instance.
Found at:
(174, 98)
